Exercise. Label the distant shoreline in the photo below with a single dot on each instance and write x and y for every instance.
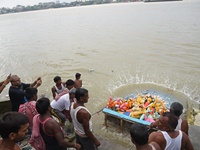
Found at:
(146, 1)
(53, 5)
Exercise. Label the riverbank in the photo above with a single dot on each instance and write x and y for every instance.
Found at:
(53, 5)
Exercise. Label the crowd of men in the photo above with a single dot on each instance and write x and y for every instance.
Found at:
(33, 116)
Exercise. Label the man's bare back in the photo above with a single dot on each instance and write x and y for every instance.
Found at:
(78, 84)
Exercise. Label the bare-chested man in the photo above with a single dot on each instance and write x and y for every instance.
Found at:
(78, 82)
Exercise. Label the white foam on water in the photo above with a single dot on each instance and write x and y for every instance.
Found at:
(188, 87)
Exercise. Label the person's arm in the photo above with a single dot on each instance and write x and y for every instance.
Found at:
(61, 94)
(84, 117)
(53, 89)
(36, 83)
(55, 127)
(80, 83)
(64, 83)
(156, 137)
(4, 83)
(154, 124)
(155, 145)
(184, 126)
(67, 108)
(1, 83)
(186, 141)
(68, 113)
(152, 137)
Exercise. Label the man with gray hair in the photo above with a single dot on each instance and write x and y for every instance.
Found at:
(177, 109)
(61, 105)
(16, 91)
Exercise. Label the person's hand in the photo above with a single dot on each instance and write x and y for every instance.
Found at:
(78, 146)
(39, 78)
(153, 124)
(39, 82)
(7, 80)
(97, 143)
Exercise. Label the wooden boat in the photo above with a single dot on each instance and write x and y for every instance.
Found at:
(122, 121)
(5, 106)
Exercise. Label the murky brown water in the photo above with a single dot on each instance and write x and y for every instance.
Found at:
(128, 47)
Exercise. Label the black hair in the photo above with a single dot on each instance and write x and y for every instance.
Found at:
(42, 105)
(69, 82)
(57, 78)
(176, 108)
(77, 75)
(80, 93)
(30, 91)
(139, 133)
(172, 119)
(11, 122)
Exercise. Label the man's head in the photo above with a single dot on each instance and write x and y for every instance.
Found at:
(139, 134)
(81, 95)
(167, 122)
(78, 75)
(176, 108)
(31, 93)
(13, 126)
(43, 105)
(15, 80)
(57, 79)
(72, 93)
(70, 84)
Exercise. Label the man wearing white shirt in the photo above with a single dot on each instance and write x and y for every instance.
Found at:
(63, 103)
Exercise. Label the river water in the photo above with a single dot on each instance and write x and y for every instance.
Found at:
(118, 48)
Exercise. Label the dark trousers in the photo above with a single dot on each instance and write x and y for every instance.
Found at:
(86, 143)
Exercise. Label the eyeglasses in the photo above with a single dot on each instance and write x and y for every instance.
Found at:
(17, 80)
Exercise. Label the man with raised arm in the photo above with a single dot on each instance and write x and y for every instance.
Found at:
(16, 91)
(50, 129)
(4, 83)
(169, 138)
(81, 118)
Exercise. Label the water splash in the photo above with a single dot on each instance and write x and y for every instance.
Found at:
(186, 85)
